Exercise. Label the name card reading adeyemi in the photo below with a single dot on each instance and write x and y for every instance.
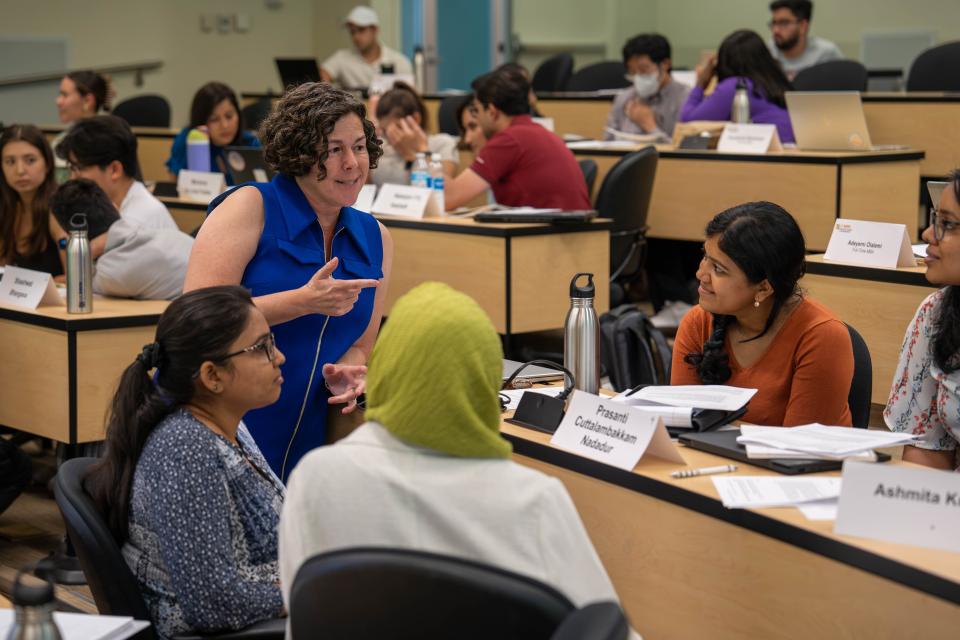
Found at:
(201, 186)
(612, 433)
(900, 504)
(874, 244)
(749, 138)
(406, 201)
(28, 289)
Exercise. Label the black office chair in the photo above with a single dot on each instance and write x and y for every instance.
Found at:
(115, 589)
(624, 197)
(447, 114)
(589, 169)
(553, 73)
(144, 111)
(861, 387)
(836, 75)
(373, 593)
(256, 112)
(601, 75)
(935, 69)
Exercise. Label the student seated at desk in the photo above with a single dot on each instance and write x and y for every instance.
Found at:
(742, 55)
(182, 485)
(214, 107)
(523, 163)
(925, 398)
(401, 117)
(652, 105)
(103, 149)
(83, 94)
(429, 470)
(130, 261)
(754, 328)
(28, 233)
(790, 40)
(355, 68)
(471, 133)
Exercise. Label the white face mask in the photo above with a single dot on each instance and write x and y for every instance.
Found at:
(646, 85)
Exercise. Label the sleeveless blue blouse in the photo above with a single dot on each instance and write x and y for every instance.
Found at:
(289, 253)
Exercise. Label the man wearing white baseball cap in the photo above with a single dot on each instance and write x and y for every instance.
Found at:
(355, 68)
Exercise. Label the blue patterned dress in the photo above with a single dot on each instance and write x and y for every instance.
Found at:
(203, 529)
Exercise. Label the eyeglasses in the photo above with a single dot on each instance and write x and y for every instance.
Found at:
(781, 23)
(941, 226)
(268, 345)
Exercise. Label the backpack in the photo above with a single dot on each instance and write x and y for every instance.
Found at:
(632, 350)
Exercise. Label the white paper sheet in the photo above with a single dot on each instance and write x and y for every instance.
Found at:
(764, 452)
(823, 440)
(712, 396)
(672, 416)
(920, 250)
(79, 626)
(820, 510)
(603, 144)
(752, 492)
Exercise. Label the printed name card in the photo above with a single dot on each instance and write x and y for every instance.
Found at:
(613, 433)
(28, 289)
(201, 186)
(900, 504)
(749, 138)
(365, 198)
(406, 201)
(874, 244)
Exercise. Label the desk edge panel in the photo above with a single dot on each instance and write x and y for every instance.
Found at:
(79, 324)
(498, 232)
(855, 272)
(867, 158)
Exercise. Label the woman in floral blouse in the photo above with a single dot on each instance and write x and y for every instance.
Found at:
(925, 398)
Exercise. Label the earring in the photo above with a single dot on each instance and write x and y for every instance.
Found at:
(756, 302)
(216, 389)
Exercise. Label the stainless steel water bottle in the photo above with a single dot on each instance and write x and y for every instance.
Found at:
(581, 336)
(740, 109)
(33, 612)
(79, 267)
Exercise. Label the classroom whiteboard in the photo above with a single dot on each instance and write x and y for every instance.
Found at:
(32, 103)
(894, 49)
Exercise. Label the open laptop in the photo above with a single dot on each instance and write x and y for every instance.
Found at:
(296, 71)
(830, 121)
(530, 214)
(533, 373)
(246, 164)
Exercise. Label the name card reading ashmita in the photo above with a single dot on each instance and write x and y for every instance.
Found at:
(612, 433)
(874, 244)
(900, 504)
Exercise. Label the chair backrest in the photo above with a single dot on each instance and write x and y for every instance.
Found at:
(836, 75)
(861, 387)
(624, 197)
(372, 593)
(256, 112)
(935, 69)
(553, 73)
(115, 590)
(447, 114)
(597, 76)
(144, 111)
(589, 169)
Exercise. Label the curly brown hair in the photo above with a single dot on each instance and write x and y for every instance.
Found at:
(294, 136)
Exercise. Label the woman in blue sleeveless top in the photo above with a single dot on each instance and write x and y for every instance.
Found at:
(317, 268)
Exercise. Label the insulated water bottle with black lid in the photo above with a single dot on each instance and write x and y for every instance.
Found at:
(79, 267)
(33, 612)
(581, 336)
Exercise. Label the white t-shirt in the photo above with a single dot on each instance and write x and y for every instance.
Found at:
(392, 168)
(146, 264)
(140, 207)
(817, 50)
(349, 69)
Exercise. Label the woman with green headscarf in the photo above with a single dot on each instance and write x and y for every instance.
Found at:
(429, 469)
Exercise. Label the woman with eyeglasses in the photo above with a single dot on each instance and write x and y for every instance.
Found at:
(925, 397)
(182, 485)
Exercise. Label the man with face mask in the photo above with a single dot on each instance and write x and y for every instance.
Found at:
(790, 42)
(652, 104)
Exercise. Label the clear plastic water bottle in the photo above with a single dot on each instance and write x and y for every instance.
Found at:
(198, 150)
(79, 267)
(436, 180)
(581, 336)
(33, 612)
(420, 173)
(740, 109)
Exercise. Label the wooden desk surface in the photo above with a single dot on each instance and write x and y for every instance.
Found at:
(467, 225)
(107, 313)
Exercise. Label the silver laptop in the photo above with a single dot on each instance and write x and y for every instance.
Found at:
(532, 373)
(830, 121)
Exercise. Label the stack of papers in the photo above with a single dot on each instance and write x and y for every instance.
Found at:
(80, 626)
(817, 441)
(675, 404)
(755, 492)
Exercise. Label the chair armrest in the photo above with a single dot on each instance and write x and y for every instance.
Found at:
(273, 629)
(596, 621)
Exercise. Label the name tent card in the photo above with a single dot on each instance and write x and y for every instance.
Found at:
(201, 186)
(406, 201)
(365, 198)
(613, 433)
(28, 289)
(913, 506)
(873, 244)
(749, 138)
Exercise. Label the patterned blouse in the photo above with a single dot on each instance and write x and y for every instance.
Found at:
(203, 529)
(924, 400)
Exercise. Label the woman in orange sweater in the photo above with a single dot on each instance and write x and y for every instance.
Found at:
(754, 328)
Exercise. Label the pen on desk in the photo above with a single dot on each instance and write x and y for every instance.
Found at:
(705, 471)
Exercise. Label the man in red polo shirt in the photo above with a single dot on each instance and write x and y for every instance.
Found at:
(523, 163)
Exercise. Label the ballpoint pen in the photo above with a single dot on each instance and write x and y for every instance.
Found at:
(705, 471)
